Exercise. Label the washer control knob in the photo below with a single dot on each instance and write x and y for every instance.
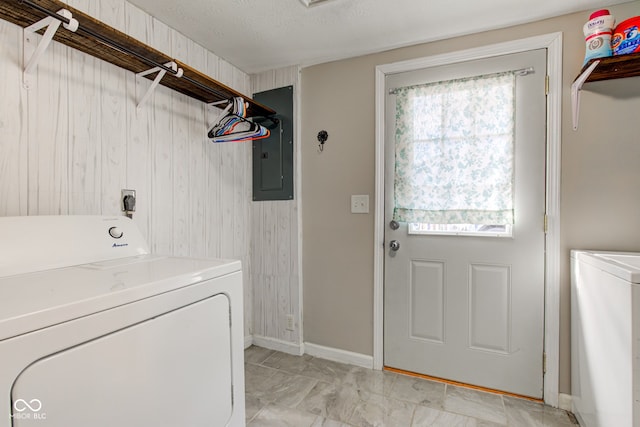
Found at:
(115, 232)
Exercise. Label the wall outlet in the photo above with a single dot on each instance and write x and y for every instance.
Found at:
(360, 203)
(291, 326)
(128, 200)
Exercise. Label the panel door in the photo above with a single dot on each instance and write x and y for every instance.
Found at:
(468, 307)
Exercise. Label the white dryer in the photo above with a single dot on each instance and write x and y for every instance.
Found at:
(95, 331)
(605, 338)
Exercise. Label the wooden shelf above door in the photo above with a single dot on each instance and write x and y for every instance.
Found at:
(614, 67)
(193, 83)
(601, 69)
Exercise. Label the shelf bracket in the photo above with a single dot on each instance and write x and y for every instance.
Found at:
(32, 54)
(161, 72)
(576, 87)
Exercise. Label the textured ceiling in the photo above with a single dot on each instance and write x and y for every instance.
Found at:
(258, 35)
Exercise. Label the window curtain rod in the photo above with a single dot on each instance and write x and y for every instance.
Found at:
(519, 72)
(124, 49)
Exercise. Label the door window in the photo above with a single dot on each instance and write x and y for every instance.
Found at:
(454, 151)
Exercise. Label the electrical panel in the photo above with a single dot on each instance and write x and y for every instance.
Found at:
(273, 156)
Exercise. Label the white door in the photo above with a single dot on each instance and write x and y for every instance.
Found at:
(463, 305)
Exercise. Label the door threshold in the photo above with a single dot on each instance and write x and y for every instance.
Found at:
(459, 384)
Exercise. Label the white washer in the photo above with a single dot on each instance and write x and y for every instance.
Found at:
(95, 331)
(605, 338)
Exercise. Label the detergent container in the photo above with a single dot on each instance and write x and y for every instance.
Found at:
(597, 33)
(626, 38)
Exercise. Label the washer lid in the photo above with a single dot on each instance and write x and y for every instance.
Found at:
(625, 265)
(32, 301)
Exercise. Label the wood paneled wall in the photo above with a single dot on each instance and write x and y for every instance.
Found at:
(75, 138)
(276, 248)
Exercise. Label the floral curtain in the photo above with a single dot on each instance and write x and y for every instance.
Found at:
(454, 151)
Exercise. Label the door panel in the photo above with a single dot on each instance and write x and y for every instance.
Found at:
(427, 301)
(489, 307)
(469, 308)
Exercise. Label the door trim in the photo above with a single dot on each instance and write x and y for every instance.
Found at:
(553, 43)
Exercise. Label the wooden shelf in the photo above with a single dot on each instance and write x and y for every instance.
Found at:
(22, 14)
(614, 67)
(601, 69)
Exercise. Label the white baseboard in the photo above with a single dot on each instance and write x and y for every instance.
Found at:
(278, 345)
(248, 340)
(565, 401)
(338, 355)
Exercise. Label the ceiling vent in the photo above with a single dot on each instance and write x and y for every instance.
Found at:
(310, 3)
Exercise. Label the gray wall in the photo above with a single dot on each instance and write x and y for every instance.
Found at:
(600, 200)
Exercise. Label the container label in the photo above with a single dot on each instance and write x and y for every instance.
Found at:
(595, 23)
(627, 41)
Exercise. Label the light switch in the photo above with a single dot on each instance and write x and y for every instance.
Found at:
(360, 203)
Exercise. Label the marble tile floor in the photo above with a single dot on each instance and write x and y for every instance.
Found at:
(304, 391)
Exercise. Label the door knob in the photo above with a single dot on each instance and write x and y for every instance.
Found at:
(394, 245)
